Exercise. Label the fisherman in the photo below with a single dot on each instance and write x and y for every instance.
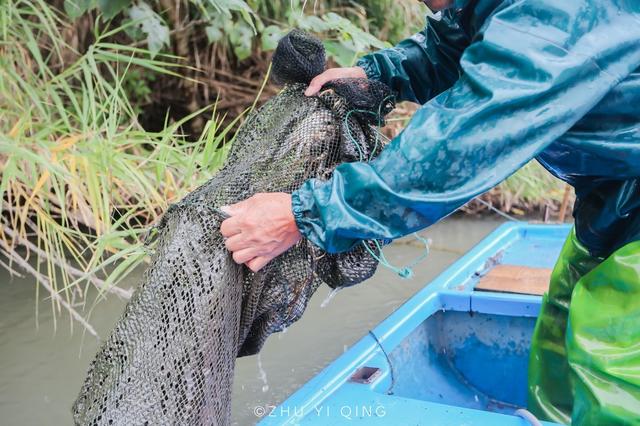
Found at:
(502, 82)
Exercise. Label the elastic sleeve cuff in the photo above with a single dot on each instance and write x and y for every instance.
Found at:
(298, 209)
(310, 213)
(306, 215)
(369, 67)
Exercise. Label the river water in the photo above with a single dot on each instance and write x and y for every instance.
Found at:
(41, 369)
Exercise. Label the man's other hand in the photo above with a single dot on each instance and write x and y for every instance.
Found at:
(333, 74)
(259, 229)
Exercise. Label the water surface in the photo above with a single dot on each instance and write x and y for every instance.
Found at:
(41, 370)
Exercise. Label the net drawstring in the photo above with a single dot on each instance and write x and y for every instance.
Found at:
(378, 116)
(406, 271)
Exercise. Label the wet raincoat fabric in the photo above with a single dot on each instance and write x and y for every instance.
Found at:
(503, 82)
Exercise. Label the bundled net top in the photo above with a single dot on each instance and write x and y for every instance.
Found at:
(171, 356)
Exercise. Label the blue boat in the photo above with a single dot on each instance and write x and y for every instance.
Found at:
(451, 355)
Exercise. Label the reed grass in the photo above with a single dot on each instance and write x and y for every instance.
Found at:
(80, 178)
(531, 188)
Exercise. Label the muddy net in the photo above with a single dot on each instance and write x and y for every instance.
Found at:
(170, 358)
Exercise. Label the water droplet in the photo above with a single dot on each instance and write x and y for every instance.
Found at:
(330, 296)
(262, 375)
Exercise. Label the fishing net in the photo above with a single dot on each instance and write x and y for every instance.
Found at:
(170, 358)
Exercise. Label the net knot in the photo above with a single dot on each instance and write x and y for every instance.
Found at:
(405, 273)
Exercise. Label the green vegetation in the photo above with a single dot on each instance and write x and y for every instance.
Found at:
(244, 26)
(228, 43)
(111, 110)
(81, 179)
(532, 188)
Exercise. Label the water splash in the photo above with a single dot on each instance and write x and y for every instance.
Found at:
(262, 375)
(282, 332)
(330, 296)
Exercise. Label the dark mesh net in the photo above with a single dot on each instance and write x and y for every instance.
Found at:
(171, 356)
(298, 58)
(358, 93)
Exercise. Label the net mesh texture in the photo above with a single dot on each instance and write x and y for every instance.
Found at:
(170, 358)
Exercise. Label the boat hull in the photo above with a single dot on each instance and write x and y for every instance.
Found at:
(450, 355)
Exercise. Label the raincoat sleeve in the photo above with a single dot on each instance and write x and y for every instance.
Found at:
(526, 80)
(423, 65)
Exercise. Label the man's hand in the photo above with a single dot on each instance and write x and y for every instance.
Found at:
(333, 74)
(259, 229)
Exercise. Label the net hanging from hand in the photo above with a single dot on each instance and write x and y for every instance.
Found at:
(171, 356)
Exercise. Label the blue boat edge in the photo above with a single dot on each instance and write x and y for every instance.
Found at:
(332, 398)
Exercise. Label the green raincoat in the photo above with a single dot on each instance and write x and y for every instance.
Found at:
(502, 82)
